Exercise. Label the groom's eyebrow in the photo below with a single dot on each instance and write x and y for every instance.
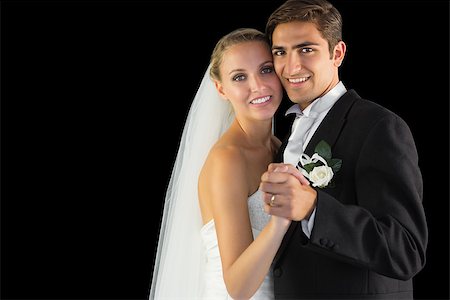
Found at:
(275, 47)
(301, 45)
(305, 44)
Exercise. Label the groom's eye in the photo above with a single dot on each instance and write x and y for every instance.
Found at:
(278, 52)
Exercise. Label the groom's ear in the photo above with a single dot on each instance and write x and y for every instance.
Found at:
(219, 88)
(339, 53)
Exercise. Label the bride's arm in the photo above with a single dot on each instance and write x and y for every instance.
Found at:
(245, 262)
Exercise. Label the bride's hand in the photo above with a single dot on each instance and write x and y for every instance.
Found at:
(280, 223)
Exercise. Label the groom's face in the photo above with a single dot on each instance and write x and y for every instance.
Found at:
(303, 62)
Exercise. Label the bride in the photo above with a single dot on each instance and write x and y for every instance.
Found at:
(216, 241)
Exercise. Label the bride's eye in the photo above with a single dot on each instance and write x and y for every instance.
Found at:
(268, 69)
(238, 77)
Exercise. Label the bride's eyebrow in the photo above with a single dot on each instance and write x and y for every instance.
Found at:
(236, 70)
(266, 63)
(243, 70)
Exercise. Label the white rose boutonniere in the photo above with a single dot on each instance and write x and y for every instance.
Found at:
(319, 168)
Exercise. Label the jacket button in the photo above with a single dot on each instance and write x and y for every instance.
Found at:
(277, 272)
(323, 242)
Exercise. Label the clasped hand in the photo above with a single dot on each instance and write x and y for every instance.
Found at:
(287, 193)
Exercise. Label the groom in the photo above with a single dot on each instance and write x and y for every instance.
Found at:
(359, 228)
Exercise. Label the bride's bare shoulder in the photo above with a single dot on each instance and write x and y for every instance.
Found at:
(225, 158)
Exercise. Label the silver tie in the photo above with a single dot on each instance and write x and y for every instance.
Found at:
(295, 145)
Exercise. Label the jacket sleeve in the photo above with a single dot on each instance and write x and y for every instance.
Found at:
(385, 230)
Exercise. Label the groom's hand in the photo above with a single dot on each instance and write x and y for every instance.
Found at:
(287, 192)
(288, 168)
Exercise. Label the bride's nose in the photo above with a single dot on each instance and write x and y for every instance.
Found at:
(256, 84)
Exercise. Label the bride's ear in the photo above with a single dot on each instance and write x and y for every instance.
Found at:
(219, 88)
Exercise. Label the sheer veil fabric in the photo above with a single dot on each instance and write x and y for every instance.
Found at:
(180, 257)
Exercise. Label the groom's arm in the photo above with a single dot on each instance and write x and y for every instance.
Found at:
(385, 230)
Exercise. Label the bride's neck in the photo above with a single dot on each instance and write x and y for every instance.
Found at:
(256, 134)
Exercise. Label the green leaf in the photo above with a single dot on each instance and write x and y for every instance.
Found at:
(309, 167)
(335, 164)
(324, 150)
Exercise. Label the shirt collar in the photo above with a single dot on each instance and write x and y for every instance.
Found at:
(317, 107)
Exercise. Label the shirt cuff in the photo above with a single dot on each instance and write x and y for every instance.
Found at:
(307, 225)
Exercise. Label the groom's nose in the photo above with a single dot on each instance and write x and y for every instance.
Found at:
(293, 64)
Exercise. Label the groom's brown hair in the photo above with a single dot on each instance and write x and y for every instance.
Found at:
(322, 13)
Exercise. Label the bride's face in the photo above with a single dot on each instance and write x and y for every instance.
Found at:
(249, 80)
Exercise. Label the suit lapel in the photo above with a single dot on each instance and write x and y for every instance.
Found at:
(334, 121)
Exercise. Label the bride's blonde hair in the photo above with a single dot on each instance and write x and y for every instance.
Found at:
(235, 37)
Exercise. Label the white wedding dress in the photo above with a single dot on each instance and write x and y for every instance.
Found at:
(215, 286)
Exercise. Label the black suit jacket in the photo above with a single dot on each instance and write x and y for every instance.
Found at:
(370, 233)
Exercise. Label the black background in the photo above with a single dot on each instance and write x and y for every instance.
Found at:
(94, 97)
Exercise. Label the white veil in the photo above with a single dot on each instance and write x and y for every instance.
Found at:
(180, 257)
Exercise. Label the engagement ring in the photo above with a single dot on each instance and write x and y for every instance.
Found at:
(272, 200)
